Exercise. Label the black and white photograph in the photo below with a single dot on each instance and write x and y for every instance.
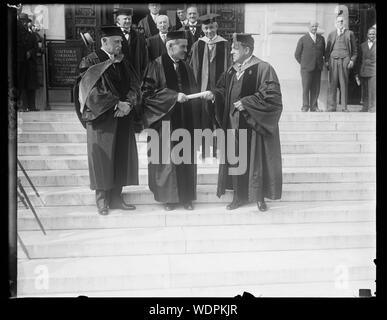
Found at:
(192, 150)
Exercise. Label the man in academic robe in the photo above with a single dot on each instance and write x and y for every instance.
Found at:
(248, 96)
(368, 71)
(310, 54)
(106, 95)
(340, 57)
(193, 28)
(209, 58)
(156, 44)
(133, 45)
(148, 23)
(181, 19)
(167, 82)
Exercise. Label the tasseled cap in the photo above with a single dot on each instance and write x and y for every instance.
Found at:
(123, 12)
(245, 39)
(208, 18)
(109, 31)
(174, 35)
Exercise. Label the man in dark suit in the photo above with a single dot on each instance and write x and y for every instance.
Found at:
(193, 28)
(368, 71)
(148, 24)
(133, 43)
(310, 54)
(340, 56)
(156, 44)
(181, 18)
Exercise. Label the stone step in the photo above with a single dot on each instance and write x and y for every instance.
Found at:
(31, 149)
(285, 136)
(70, 116)
(69, 196)
(193, 270)
(198, 239)
(327, 125)
(52, 178)
(208, 214)
(288, 161)
(324, 289)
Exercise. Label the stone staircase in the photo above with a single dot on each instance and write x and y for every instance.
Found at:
(319, 240)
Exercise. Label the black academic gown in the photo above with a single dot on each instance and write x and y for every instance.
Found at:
(260, 95)
(170, 183)
(156, 47)
(135, 51)
(192, 38)
(111, 143)
(148, 26)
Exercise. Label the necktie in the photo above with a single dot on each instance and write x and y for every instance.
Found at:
(163, 38)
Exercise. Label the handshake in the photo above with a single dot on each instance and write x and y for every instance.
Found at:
(122, 109)
(207, 95)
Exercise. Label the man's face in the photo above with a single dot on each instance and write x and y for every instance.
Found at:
(192, 14)
(163, 24)
(181, 14)
(238, 52)
(124, 21)
(371, 35)
(340, 23)
(112, 44)
(209, 30)
(154, 8)
(179, 49)
(313, 28)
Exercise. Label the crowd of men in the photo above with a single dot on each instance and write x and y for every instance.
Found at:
(339, 55)
(148, 76)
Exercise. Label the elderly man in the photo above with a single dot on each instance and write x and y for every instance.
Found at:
(167, 81)
(106, 94)
(310, 54)
(148, 24)
(133, 45)
(368, 71)
(193, 27)
(340, 55)
(209, 58)
(181, 21)
(156, 44)
(248, 96)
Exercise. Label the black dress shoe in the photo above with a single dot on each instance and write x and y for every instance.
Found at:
(103, 211)
(345, 110)
(188, 206)
(315, 110)
(363, 110)
(235, 204)
(122, 205)
(169, 207)
(262, 206)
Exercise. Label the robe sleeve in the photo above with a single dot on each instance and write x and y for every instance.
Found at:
(220, 93)
(263, 108)
(158, 100)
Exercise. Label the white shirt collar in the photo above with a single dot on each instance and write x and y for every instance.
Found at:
(313, 36)
(193, 24)
(154, 16)
(342, 31)
(111, 56)
(247, 60)
(175, 61)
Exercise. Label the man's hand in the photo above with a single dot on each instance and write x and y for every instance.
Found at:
(124, 106)
(238, 105)
(118, 114)
(181, 97)
(208, 95)
(327, 65)
(350, 64)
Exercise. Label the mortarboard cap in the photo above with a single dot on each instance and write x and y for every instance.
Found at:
(173, 35)
(123, 11)
(208, 18)
(23, 16)
(245, 38)
(109, 31)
